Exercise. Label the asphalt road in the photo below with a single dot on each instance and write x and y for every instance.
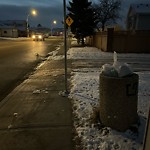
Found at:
(19, 58)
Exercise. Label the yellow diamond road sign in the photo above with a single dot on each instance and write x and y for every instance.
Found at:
(69, 21)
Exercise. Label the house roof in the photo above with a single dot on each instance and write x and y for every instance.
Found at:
(12, 21)
(19, 24)
(140, 8)
(3, 26)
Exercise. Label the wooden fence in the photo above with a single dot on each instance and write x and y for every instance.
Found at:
(121, 41)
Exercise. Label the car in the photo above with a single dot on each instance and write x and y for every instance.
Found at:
(38, 37)
(46, 35)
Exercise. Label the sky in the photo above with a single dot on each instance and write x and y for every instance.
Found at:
(48, 10)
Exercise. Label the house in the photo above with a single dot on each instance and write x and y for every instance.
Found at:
(6, 31)
(8, 28)
(138, 17)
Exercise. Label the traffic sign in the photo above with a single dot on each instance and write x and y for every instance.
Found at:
(69, 21)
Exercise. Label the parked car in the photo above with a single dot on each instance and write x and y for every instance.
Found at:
(38, 37)
(46, 35)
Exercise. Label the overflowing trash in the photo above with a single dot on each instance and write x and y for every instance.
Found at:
(117, 69)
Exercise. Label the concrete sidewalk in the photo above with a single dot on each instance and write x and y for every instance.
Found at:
(34, 116)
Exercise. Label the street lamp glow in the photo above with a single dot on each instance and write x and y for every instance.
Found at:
(34, 12)
(54, 22)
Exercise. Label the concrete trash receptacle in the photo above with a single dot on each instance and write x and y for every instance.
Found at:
(118, 101)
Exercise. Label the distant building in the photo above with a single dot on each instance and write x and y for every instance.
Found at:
(58, 31)
(47, 31)
(6, 31)
(13, 28)
(138, 17)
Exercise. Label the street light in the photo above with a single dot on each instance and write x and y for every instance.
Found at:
(53, 22)
(34, 13)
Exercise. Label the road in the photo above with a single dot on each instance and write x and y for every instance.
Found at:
(19, 58)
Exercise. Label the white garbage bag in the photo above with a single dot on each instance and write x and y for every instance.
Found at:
(118, 69)
(125, 70)
(109, 70)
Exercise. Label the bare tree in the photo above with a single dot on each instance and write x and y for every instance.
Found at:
(107, 11)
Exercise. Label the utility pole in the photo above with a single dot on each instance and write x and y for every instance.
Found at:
(27, 20)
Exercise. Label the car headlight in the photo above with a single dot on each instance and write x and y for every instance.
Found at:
(33, 36)
(40, 36)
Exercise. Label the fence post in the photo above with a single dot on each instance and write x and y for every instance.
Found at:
(110, 32)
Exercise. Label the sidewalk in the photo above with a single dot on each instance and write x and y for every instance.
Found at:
(34, 116)
(86, 65)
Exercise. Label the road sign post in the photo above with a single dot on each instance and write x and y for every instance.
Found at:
(67, 20)
(65, 50)
(147, 134)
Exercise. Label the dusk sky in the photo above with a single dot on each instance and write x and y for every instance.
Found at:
(48, 10)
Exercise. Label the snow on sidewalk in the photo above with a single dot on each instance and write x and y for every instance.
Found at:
(85, 100)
